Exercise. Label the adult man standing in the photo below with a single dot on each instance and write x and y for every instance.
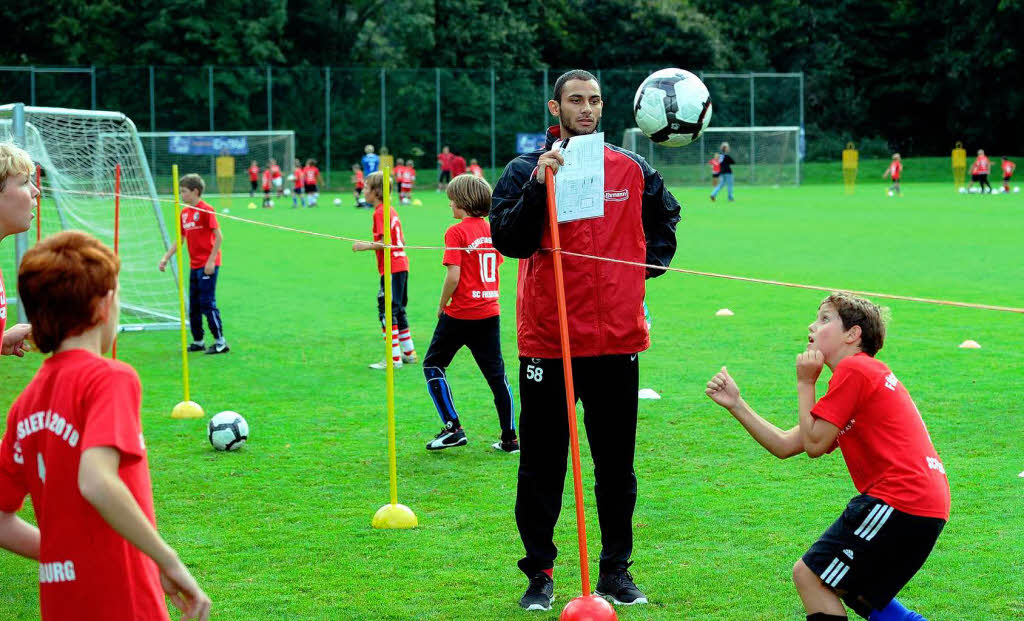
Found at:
(606, 331)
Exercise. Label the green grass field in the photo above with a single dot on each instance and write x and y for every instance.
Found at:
(281, 529)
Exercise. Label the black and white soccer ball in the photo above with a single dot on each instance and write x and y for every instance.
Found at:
(228, 431)
(672, 107)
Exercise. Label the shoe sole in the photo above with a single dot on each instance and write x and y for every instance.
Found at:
(610, 598)
(539, 606)
(497, 447)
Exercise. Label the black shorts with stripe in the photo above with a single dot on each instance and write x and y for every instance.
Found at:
(871, 552)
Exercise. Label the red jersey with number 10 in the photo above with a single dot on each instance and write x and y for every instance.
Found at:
(399, 260)
(883, 438)
(476, 296)
(78, 401)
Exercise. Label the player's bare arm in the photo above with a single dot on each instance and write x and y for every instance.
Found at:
(723, 390)
(15, 340)
(361, 246)
(167, 256)
(451, 282)
(817, 435)
(211, 263)
(100, 485)
(18, 536)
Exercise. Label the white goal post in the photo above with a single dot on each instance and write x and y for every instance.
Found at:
(78, 172)
(763, 155)
(197, 152)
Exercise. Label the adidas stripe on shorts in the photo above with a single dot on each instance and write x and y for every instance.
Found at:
(872, 551)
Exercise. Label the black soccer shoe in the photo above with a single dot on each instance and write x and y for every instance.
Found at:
(511, 446)
(618, 588)
(448, 438)
(218, 349)
(539, 594)
(196, 346)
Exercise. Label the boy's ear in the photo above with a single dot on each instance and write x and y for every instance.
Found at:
(103, 308)
(853, 335)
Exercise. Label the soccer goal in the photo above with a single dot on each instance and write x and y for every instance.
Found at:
(78, 174)
(223, 157)
(763, 155)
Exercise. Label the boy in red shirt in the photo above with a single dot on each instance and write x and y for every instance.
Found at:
(1008, 168)
(358, 185)
(254, 177)
(17, 208)
(716, 169)
(202, 233)
(311, 180)
(267, 180)
(276, 178)
(405, 189)
(444, 158)
(894, 171)
(469, 315)
(458, 165)
(298, 184)
(980, 170)
(74, 443)
(475, 170)
(885, 534)
(402, 350)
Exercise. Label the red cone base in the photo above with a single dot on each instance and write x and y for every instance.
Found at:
(588, 608)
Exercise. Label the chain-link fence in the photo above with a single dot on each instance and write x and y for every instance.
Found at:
(334, 112)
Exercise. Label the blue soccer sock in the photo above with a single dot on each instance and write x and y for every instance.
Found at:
(895, 611)
(441, 394)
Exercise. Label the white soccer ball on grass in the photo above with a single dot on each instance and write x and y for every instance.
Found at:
(228, 431)
(337, 201)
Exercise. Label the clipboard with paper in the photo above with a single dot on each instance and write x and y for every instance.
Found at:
(579, 184)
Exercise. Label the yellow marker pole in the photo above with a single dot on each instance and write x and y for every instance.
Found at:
(187, 408)
(959, 156)
(391, 515)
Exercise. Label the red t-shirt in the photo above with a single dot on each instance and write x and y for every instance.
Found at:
(254, 173)
(458, 165)
(298, 174)
(399, 172)
(399, 260)
(197, 225)
(883, 438)
(476, 296)
(311, 173)
(77, 401)
(266, 179)
(446, 160)
(476, 170)
(895, 169)
(1008, 168)
(275, 171)
(359, 179)
(3, 306)
(716, 166)
(982, 165)
(410, 176)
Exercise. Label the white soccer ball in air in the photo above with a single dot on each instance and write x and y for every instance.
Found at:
(228, 431)
(672, 107)
(287, 191)
(337, 201)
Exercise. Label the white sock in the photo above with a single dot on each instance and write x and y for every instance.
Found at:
(405, 340)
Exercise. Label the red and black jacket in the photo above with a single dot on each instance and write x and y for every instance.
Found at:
(604, 300)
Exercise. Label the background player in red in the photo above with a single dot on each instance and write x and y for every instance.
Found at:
(358, 185)
(17, 208)
(402, 350)
(475, 170)
(887, 532)
(458, 165)
(469, 315)
(1008, 168)
(202, 233)
(267, 184)
(982, 166)
(74, 443)
(444, 158)
(716, 167)
(276, 178)
(254, 177)
(298, 184)
(312, 182)
(894, 171)
(407, 186)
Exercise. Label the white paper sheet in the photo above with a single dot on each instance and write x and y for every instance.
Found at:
(579, 184)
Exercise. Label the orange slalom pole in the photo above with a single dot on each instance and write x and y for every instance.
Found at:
(570, 394)
(117, 232)
(39, 204)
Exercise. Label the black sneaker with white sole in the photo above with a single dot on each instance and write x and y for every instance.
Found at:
(510, 446)
(218, 348)
(539, 594)
(448, 438)
(618, 588)
(197, 346)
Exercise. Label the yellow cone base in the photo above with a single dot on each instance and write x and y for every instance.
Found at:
(394, 516)
(187, 409)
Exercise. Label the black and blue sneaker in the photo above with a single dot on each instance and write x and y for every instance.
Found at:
(539, 594)
(618, 588)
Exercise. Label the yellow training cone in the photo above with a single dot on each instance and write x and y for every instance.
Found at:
(394, 516)
(187, 409)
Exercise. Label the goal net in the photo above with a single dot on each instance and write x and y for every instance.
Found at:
(199, 152)
(78, 193)
(763, 155)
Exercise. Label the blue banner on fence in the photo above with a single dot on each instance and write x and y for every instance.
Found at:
(529, 142)
(208, 145)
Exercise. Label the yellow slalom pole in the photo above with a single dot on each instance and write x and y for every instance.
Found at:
(391, 515)
(187, 408)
